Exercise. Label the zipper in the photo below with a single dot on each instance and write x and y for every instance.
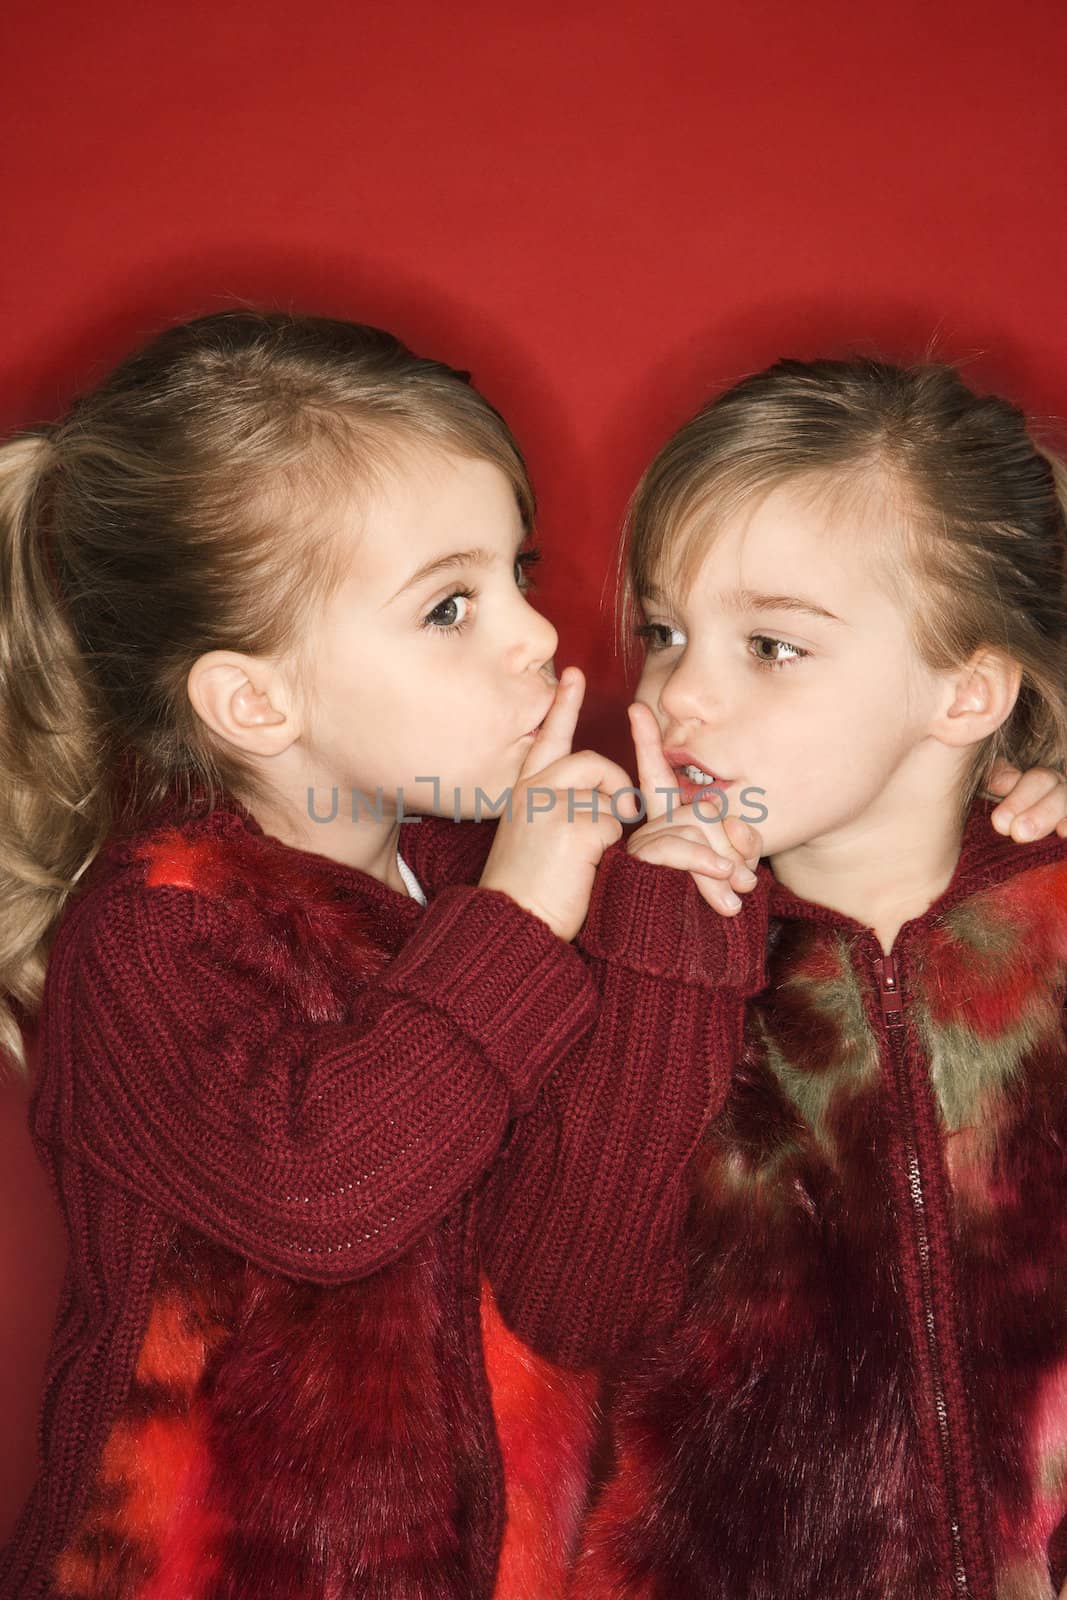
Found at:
(892, 999)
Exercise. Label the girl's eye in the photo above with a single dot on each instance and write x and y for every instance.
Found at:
(774, 662)
(444, 619)
(452, 614)
(659, 635)
(525, 559)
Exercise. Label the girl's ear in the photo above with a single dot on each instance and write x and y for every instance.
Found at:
(979, 697)
(244, 700)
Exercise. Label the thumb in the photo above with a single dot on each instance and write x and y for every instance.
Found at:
(745, 839)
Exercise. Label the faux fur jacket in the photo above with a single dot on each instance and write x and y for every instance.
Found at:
(268, 1089)
(864, 1391)
(293, 1119)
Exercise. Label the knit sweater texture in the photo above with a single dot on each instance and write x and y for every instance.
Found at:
(285, 1111)
(863, 1388)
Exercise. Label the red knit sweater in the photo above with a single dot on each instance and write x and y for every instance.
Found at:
(270, 1091)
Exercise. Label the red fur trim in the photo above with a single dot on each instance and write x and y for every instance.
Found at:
(545, 1424)
(987, 981)
(337, 1443)
(152, 1531)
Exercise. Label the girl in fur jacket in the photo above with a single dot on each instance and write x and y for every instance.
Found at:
(850, 580)
(265, 582)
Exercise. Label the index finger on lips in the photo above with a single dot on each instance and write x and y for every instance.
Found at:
(556, 735)
(653, 769)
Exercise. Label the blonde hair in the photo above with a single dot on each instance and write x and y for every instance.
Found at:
(177, 509)
(981, 509)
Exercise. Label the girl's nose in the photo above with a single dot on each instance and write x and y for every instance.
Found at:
(540, 640)
(688, 695)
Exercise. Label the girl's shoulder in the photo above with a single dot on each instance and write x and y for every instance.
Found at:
(217, 854)
(214, 888)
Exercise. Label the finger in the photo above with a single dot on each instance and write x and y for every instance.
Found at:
(740, 870)
(719, 896)
(670, 850)
(586, 770)
(743, 879)
(1038, 788)
(1003, 778)
(684, 855)
(745, 839)
(653, 770)
(555, 736)
(1041, 817)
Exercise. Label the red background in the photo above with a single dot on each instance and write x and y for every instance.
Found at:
(605, 209)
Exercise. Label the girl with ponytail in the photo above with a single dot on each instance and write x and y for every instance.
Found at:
(273, 560)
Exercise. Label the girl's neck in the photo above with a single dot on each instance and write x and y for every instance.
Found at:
(881, 870)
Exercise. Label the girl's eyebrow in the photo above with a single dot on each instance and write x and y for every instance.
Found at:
(747, 600)
(479, 556)
(751, 600)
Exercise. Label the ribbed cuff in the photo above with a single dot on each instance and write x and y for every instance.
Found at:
(654, 919)
(500, 974)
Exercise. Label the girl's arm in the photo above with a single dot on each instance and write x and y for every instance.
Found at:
(322, 1151)
(581, 1216)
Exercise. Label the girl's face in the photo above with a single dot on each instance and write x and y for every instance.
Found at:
(789, 667)
(428, 661)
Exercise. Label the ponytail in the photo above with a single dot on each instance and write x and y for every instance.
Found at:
(53, 815)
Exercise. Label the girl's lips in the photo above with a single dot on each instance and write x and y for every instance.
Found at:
(533, 732)
(678, 758)
(686, 787)
(689, 790)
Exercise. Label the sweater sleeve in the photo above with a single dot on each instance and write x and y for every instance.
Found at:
(581, 1219)
(322, 1151)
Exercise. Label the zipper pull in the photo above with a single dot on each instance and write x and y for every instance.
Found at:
(889, 991)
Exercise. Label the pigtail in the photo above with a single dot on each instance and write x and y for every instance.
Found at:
(53, 817)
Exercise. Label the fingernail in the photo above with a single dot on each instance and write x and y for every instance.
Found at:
(746, 876)
(1002, 821)
(1025, 828)
(730, 900)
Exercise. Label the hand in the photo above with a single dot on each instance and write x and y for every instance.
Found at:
(546, 859)
(722, 856)
(1034, 804)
